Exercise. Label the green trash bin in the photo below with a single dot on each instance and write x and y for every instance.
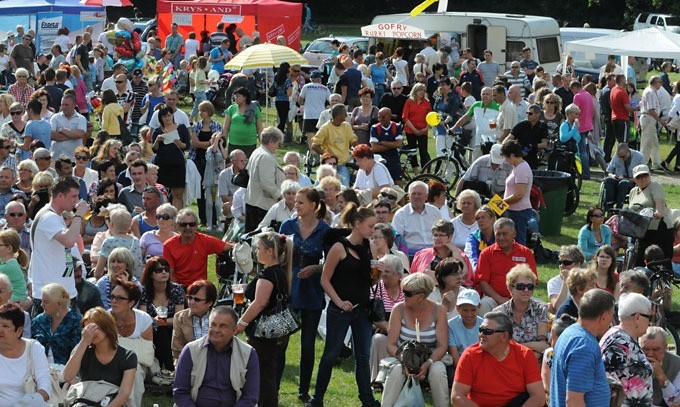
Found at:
(554, 185)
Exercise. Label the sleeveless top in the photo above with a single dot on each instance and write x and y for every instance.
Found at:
(352, 276)
(143, 226)
(428, 334)
(378, 74)
(93, 230)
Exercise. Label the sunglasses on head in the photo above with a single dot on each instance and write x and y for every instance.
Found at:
(164, 216)
(522, 286)
(489, 331)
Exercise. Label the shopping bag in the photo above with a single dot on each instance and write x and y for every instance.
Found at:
(411, 394)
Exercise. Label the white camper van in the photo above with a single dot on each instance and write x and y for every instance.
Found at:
(583, 59)
(504, 34)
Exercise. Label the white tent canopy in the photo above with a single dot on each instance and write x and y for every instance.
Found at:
(649, 43)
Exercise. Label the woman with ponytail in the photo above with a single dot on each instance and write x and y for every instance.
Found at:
(13, 261)
(274, 252)
(308, 230)
(346, 279)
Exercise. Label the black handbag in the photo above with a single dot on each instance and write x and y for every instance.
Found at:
(283, 321)
(272, 91)
(125, 136)
(633, 224)
(413, 354)
(376, 307)
(241, 179)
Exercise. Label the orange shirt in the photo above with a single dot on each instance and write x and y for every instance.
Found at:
(189, 262)
(495, 383)
(416, 113)
(494, 265)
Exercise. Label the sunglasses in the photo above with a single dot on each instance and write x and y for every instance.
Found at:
(397, 88)
(120, 81)
(195, 299)
(187, 224)
(565, 262)
(530, 113)
(15, 214)
(164, 216)
(598, 215)
(118, 298)
(549, 103)
(489, 331)
(333, 164)
(161, 269)
(522, 286)
(388, 196)
(409, 294)
(17, 113)
(81, 157)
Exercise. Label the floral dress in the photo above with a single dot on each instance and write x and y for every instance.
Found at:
(527, 329)
(176, 298)
(624, 359)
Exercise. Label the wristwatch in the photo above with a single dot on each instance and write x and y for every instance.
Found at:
(666, 384)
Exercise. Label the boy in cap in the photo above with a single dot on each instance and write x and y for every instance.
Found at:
(464, 329)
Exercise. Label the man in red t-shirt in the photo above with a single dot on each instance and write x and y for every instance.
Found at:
(188, 252)
(495, 263)
(497, 371)
(621, 109)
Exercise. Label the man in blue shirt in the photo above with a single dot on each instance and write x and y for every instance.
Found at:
(220, 56)
(577, 376)
(619, 179)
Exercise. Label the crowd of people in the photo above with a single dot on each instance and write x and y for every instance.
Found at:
(104, 273)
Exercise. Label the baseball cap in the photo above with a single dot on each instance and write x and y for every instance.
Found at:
(640, 170)
(467, 296)
(10, 34)
(496, 156)
(137, 72)
(316, 74)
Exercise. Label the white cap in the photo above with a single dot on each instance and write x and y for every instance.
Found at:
(467, 296)
(496, 156)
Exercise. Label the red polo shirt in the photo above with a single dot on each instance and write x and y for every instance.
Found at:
(189, 262)
(494, 265)
(617, 100)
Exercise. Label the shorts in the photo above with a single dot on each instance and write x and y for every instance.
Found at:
(309, 125)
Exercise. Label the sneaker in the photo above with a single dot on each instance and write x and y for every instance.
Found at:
(209, 228)
(220, 229)
(665, 167)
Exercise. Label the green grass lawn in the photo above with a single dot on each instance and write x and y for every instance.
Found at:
(342, 389)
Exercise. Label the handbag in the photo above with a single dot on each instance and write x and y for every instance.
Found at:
(29, 383)
(283, 322)
(91, 393)
(376, 307)
(411, 394)
(272, 91)
(241, 179)
(633, 224)
(413, 354)
(125, 136)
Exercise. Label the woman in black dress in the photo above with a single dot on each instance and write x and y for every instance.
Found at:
(170, 155)
(201, 136)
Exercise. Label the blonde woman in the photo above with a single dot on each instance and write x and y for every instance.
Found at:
(21, 90)
(110, 151)
(120, 264)
(416, 108)
(6, 101)
(42, 183)
(56, 328)
(26, 171)
(552, 114)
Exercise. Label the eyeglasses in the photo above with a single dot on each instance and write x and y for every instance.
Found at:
(164, 216)
(388, 196)
(120, 81)
(187, 224)
(195, 299)
(118, 298)
(17, 113)
(522, 286)
(409, 294)
(161, 269)
(649, 317)
(15, 214)
(565, 262)
(81, 157)
(489, 331)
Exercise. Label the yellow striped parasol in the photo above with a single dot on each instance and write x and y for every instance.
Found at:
(265, 56)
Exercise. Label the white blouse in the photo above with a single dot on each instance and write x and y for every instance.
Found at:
(13, 371)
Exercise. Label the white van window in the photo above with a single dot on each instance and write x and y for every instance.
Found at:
(548, 50)
(653, 20)
(672, 21)
(643, 18)
(514, 50)
(659, 22)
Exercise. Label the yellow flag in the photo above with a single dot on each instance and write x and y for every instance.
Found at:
(421, 7)
(498, 205)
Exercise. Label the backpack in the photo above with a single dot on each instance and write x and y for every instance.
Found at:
(536, 198)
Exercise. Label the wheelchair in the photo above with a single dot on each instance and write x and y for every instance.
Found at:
(609, 207)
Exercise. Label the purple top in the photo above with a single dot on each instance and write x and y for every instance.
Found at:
(216, 388)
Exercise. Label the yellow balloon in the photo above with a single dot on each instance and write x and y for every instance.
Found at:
(421, 7)
(433, 119)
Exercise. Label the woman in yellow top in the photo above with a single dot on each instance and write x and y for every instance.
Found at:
(110, 114)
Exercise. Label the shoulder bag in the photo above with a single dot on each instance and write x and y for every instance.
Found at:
(30, 385)
(283, 322)
(376, 308)
(241, 179)
(91, 393)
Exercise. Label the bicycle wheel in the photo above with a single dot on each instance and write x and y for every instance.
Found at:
(573, 199)
(426, 178)
(672, 338)
(320, 29)
(445, 168)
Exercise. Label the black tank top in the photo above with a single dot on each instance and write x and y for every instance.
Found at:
(352, 276)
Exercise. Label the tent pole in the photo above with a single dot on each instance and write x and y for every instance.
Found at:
(266, 79)
(624, 65)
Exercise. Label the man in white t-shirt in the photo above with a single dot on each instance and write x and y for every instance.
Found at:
(171, 98)
(52, 241)
(313, 97)
(191, 46)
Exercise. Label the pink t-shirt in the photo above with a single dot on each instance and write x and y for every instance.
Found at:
(520, 175)
(584, 101)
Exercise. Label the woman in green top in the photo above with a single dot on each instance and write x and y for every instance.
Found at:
(12, 262)
(242, 123)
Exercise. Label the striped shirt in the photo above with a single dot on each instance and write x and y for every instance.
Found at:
(380, 291)
(649, 101)
(428, 334)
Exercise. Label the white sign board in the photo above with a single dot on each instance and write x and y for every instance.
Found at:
(228, 18)
(393, 30)
(182, 19)
(93, 16)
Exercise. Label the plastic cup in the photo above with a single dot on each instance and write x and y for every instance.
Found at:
(162, 312)
(237, 289)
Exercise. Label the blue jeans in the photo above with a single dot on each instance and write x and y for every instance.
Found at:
(584, 154)
(521, 219)
(337, 323)
(198, 98)
(379, 92)
(343, 172)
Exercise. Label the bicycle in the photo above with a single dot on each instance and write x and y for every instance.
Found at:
(317, 28)
(662, 279)
(405, 156)
(450, 166)
(562, 159)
